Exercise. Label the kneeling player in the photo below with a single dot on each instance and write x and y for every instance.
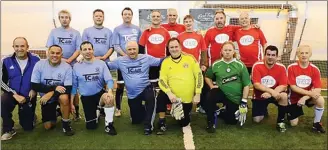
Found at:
(181, 82)
(305, 88)
(233, 83)
(90, 77)
(270, 84)
(53, 79)
(135, 68)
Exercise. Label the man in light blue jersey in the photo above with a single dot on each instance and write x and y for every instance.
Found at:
(135, 72)
(122, 34)
(52, 78)
(69, 40)
(99, 36)
(91, 82)
(66, 37)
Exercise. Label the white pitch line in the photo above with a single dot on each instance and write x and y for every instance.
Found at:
(188, 139)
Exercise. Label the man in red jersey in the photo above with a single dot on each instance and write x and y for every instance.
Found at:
(270, 85)
(217, 35)
(172, 26)
(251, 41)
(194, 44)
(154, 42)
(305, 88)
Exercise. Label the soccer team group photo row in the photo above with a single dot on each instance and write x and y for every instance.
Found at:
(165, 69)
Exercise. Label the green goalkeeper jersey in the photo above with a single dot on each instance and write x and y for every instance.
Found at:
(231, 77)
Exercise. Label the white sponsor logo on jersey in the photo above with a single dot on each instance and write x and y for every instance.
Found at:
(268, 81)
(130, 37)
(190, 43)
(303, 81)
(173, 34)
(246, 40)
(221, 38)
(156, 39)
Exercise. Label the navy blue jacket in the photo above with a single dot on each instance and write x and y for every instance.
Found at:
(14, 78)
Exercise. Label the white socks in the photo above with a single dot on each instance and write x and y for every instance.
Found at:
(109, 112)
(317, 114)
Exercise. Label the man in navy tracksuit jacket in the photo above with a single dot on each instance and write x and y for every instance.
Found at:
(16, 86)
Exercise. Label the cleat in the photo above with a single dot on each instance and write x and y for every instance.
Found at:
(162, 129)
(200, 110)
(117, 113)
(8, 135)
(147, 131)
(110, 129)
(67, 129)
(281, 127)
(317, 127)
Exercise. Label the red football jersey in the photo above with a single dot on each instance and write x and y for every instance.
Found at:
(214, 38)
(174, 29)
(192, 43)
(273, 77)
(155, 41)
(305, 78)
(250, 44)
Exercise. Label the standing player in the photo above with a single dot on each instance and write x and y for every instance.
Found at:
(16, 86)
(154, 42)
(53, 79)
(305, 88)
(217, 35)
(91, 82)
(270, 84)
(69, 40)
(122, 34)
(251, 42)
(135, 68)
(180, 78)
(172, 26)
(99, 36)
(233, 82)
(194, 44)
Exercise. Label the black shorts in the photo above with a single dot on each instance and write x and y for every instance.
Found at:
(215, 96)
(119, 77)
(143, 113)
(163, 100)
(259, 107)
(294, 111)
(48, 112)
(90, 106)
(154, 73)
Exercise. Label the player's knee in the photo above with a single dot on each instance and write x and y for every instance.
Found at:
(320, 102)
(294, 122)
(64, 100)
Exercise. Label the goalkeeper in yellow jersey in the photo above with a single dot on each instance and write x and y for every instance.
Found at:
(181, 82)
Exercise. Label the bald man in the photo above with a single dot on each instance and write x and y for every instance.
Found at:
(172, 26)
(251, 42)
(305, 88)
(16, 86)
(135, 68)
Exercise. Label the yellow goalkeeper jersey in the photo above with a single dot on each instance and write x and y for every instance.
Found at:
(182, 77)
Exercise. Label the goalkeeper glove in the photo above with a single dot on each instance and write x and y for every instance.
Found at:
(242, 111)
(177, 110)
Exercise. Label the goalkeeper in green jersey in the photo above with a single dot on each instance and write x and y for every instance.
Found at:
(232, 88)
(181, 83)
